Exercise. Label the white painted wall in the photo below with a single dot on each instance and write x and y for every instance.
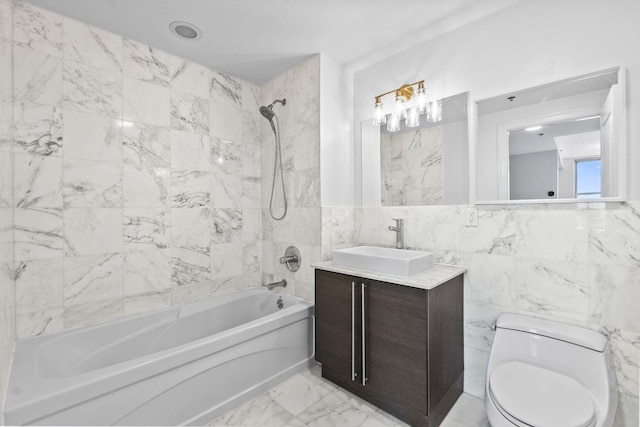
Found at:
(336, 135)
(527, 44)
(533, 175)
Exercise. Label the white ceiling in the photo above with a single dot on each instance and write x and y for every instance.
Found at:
(256, 39)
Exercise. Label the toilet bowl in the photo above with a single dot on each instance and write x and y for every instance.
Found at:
(549, 374)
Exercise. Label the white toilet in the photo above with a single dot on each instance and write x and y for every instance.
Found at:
(548, 374)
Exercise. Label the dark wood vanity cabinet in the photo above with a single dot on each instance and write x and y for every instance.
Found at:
(398, 347)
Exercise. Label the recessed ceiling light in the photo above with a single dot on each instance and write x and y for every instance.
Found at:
(532, 128)
(185, 30)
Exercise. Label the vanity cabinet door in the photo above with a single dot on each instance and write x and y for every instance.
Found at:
(395, 358)
(337, 313)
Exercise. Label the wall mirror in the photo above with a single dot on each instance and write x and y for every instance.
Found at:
(422, 165)
(560, 142)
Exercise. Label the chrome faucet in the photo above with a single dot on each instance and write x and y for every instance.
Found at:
(271, 286)
(399, 229)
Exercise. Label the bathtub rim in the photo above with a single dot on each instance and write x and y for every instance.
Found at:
(88, 385)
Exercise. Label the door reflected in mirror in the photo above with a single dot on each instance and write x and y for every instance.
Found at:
(559, 142)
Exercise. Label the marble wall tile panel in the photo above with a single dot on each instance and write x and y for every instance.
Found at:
(226, 260)
(146, 64)
(478, 320)
(92, 90)
(251, 126)
(251, 162)
(613, 234)
(367, 226)
(628, 413)
(226, 225)
(190, 189)
(614, 296)
(38, 233)
(146, 186)
(306, 150)
(251, 97)
(146, 102)
(251, 225)
(189, 113)
(92, 312)
(438, 227)
(92, 231)
(191, 229)
(6, 18)
(37, 77)
(251, 193)
(189, 267)
(252, 259)
(39, 285)
(37, 181)
(189, 151)
(91, 137)
(143, 303)
(146, 229)
(6, 74)
(93, 278)
(227, 90)
(190, 292)
(92, 46)
(146, 146)
(526, 231)
(229, 285)
(475, 371)
(306, 188)
(92, 184)
(227, 156)
(39, 323)
(38, 129)
(226, 121)
(6, 238)
(227, 191)
(147, 272)
(625, 346)
(189, 77)
(6, 179)
(489, 279)
(36, 29)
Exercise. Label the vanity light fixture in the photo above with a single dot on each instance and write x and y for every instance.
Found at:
(403, 110)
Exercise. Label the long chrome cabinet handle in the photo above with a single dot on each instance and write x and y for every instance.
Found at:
(364, 353)
(353, 331)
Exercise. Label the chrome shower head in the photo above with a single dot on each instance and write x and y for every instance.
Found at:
(267, 112)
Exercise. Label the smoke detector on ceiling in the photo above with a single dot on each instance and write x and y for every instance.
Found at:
(185, 30)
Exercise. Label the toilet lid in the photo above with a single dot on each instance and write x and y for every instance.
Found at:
(539, 397)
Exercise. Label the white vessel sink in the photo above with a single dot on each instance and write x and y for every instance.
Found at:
(399, 262)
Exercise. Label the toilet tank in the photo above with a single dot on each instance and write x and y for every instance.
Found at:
(573, 351)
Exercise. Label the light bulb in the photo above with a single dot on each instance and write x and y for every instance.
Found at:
(421, 99)
(400, 106)
(413, 117)
(393, 124)
(434, 111)
(379, 117)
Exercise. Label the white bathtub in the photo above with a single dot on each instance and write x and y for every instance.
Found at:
(181, 365)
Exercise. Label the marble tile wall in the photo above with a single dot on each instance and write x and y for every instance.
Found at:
(299, 124)
(137, 176)
(411, 167)
(7, 289)
(576, 263)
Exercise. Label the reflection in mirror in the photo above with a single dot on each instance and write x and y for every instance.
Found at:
(558, 142)
(422, 165)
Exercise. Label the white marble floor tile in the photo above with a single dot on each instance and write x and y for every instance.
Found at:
(307, 399)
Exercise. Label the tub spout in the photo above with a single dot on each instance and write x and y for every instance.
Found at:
(272, 286)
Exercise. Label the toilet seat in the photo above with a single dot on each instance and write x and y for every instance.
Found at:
(538, 397)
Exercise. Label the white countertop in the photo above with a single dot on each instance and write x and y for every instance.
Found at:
(429, 279)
